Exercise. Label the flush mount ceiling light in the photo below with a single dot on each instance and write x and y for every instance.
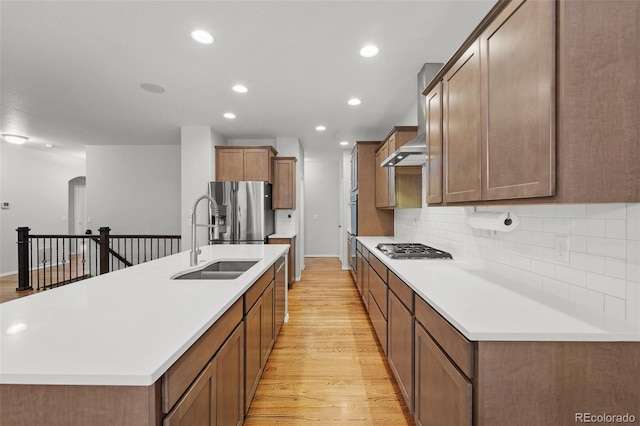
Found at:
(344, 143)
(202, 37)
(152, 88)
(48, 145)
(15, 139)
(369, 51)
(354, 101)
(229, 115)
(239, 88)
(321, 128)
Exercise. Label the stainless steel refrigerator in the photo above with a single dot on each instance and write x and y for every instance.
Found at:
(246, 216)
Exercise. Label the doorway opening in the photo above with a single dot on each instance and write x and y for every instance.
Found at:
(77, 205)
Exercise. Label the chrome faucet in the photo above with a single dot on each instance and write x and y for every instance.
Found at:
(195, 250)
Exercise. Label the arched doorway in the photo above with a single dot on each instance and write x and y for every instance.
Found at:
(77, 205)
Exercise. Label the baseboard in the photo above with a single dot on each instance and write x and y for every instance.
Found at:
(5, 274)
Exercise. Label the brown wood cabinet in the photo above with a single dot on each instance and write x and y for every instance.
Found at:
(280, 288)
(400, 338)
(545, 80)
(291, 256)
(397, 187)
(433, 134)
(362, 282)
(284, 186)
(251, 163)
(378, 301)
(371, 221)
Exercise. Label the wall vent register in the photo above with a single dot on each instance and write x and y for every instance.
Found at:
(412, 251)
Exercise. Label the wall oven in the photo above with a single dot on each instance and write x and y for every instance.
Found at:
(354, 212)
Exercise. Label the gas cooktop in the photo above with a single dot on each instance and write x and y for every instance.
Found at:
(412, 251)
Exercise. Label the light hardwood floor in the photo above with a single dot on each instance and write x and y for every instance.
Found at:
(326, 366)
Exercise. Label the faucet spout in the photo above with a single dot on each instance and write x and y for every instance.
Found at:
(195, 250)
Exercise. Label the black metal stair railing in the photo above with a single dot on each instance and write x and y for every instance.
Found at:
(47, 261)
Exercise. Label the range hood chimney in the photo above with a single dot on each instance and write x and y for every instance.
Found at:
(414, 152)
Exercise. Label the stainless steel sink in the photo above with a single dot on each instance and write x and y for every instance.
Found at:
(221, 270)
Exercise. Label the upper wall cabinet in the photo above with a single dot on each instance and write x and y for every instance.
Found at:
(397, 187)
(433, 136)
(251, 163)
(538, 105)
(284, 187)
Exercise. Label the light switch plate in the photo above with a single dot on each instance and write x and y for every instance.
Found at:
(5, 205)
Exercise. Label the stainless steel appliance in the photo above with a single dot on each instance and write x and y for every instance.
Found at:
(245, 214)
(354, 212)
(412, 251)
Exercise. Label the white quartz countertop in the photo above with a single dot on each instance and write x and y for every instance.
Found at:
(483, 306)
(282, 235)
(123, 328)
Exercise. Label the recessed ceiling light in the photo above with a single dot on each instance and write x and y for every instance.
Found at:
(369, 51)
(229, 115)
(202, 37)
(344, 143)
(354, 101)
(152, 88)
(15, 139)
(321, 128)
(48, 145)
(239, 88)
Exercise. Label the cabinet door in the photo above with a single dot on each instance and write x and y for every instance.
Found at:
(253, 351)
(284, 187)
(229, 164)
(382, 178)
(392, 145)
(230, 380)
(434, 145)
(360, 261)
(461, 125)
(267, 337)
(443, 396)
(198, 406)
(257, 164)
(517, 53)
(354, 169)
(400, 341)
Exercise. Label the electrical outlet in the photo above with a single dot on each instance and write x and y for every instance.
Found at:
(561, 249)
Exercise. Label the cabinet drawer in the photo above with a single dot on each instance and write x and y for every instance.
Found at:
(459, 349)
(379, 267)
(256, 290)
(365, 253)
(378, 291)
(400, 289)
(379, 323)
(185, 370)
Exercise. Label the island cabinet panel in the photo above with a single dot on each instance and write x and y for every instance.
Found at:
(184, 371)
(443, 396)
(461, 122)
(433, 135)
(291, 256)
(400, 337)
(198, 406)
(259, 338)
(77, 405)
(517, 52)
(280, 288)
(230, 380)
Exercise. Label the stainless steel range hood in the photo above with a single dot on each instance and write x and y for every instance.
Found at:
(414, 152)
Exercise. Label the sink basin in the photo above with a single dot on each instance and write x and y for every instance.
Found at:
(221, 270)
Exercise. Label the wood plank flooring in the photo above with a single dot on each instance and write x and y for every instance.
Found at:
(326, 366)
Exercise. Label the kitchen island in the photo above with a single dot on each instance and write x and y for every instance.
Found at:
(469, 347)
(106, 346)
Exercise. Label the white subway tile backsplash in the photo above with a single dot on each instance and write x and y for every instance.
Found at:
(616, 228)
(603, 272)
(607, 285)
(615, 307)
(615, 267)
(559, 288)
(607, 211)
(588, 298)
(571, 275)
(607, 247)
(557, 225)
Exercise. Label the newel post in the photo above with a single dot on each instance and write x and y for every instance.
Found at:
(103, 245)
(23, 259)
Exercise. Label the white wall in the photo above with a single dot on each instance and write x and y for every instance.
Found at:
(197, 153)
(36, 184)
(603, 272)
(134, 189)
(322, 208)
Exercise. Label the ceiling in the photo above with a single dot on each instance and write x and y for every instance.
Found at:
(71, 71)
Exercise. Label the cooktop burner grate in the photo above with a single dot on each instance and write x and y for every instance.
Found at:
(412, 251)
